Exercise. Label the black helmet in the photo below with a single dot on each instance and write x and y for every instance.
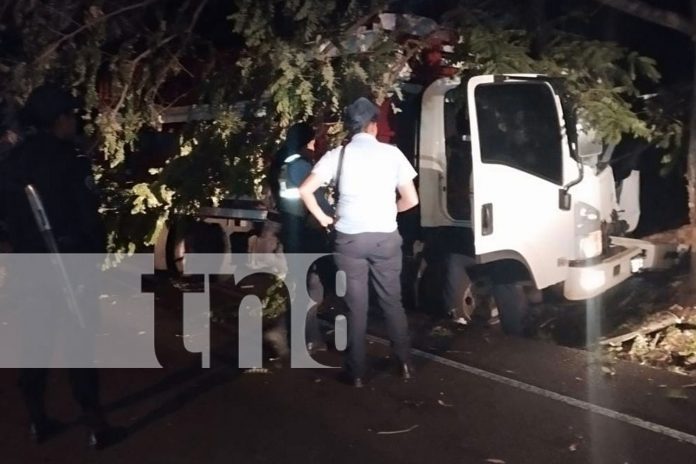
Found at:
(46, 103)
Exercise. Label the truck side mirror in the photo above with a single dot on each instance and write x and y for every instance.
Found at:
(564, 200)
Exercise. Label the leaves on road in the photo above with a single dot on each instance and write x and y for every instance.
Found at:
(394, 432)
(676, 394)
(665, 339)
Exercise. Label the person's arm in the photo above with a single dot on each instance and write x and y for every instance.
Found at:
(307, 189)
(408, 197)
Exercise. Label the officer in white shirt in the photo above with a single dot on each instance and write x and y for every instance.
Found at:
(368, 243)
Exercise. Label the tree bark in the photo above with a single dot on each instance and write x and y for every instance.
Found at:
(539, 27)
(645, 330)
(691, 159)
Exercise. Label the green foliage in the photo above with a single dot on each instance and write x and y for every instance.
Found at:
(600, 79)
(293, 60)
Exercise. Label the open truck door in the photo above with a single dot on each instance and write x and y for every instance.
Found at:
(520, 164)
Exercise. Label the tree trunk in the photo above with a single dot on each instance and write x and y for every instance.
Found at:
(691, 159)
(538, 25)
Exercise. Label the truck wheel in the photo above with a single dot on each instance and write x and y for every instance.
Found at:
(466, 303)
(513, 306)
(428, 292)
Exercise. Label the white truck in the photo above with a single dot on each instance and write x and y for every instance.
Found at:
(508, 194)
(533, 204)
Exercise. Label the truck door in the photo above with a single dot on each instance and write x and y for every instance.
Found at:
(520, 161)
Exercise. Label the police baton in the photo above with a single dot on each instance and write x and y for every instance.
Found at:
(44, 226)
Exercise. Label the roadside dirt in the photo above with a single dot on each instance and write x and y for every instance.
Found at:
(650, 319)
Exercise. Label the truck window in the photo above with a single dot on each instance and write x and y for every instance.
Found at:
(519, 127)
(458, 154)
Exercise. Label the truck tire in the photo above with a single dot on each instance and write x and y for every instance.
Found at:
(429, 288)
(463, 303)
(513, 306)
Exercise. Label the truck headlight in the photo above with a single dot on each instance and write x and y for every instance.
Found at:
(588, 232)
(592, 279)
(637, 264)
(590, 245)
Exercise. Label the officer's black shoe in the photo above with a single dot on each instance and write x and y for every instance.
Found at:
(43, 430)
(348, 379)
(407, 371)
(314, 347)
(102, 437)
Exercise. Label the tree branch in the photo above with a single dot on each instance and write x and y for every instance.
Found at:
(174, 58)
(196, 15)
(331, 47)
(642, 10)
(134, 64)
(54, 46)
(59, 13)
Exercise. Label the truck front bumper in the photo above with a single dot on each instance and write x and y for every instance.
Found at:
(588, 281)
(591, 280)
(657, 256)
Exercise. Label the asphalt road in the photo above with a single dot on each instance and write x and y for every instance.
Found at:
(478, 397)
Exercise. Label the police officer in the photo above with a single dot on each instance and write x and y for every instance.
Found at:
(49, 160)
(368, 174)
(295, 160)
(9, 137)
(300, 232)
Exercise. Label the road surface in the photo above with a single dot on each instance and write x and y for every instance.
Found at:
(478, 397)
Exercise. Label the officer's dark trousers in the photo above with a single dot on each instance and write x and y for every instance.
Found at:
(85, 389)
(297, 237)
(375, 257)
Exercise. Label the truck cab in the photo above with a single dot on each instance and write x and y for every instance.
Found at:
(527, 200)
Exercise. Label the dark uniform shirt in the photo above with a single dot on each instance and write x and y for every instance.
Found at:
(65, 184)
(297, 170)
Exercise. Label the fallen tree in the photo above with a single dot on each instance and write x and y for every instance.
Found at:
(292, 60)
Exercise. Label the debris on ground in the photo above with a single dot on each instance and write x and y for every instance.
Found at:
(680, 236)
(666, 339)
(440, 331)
(257, 370)
(394, 432)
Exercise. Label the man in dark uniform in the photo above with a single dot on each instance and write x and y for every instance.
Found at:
(49, 160)
(9, 137)
(300, 232)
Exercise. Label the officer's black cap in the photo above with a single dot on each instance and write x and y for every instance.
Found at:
(46, 103)
(299, 135)
(359, 113)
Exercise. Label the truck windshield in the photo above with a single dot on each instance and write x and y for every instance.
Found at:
(519, 127)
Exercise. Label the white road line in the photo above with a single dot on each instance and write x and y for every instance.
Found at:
(584, 405)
